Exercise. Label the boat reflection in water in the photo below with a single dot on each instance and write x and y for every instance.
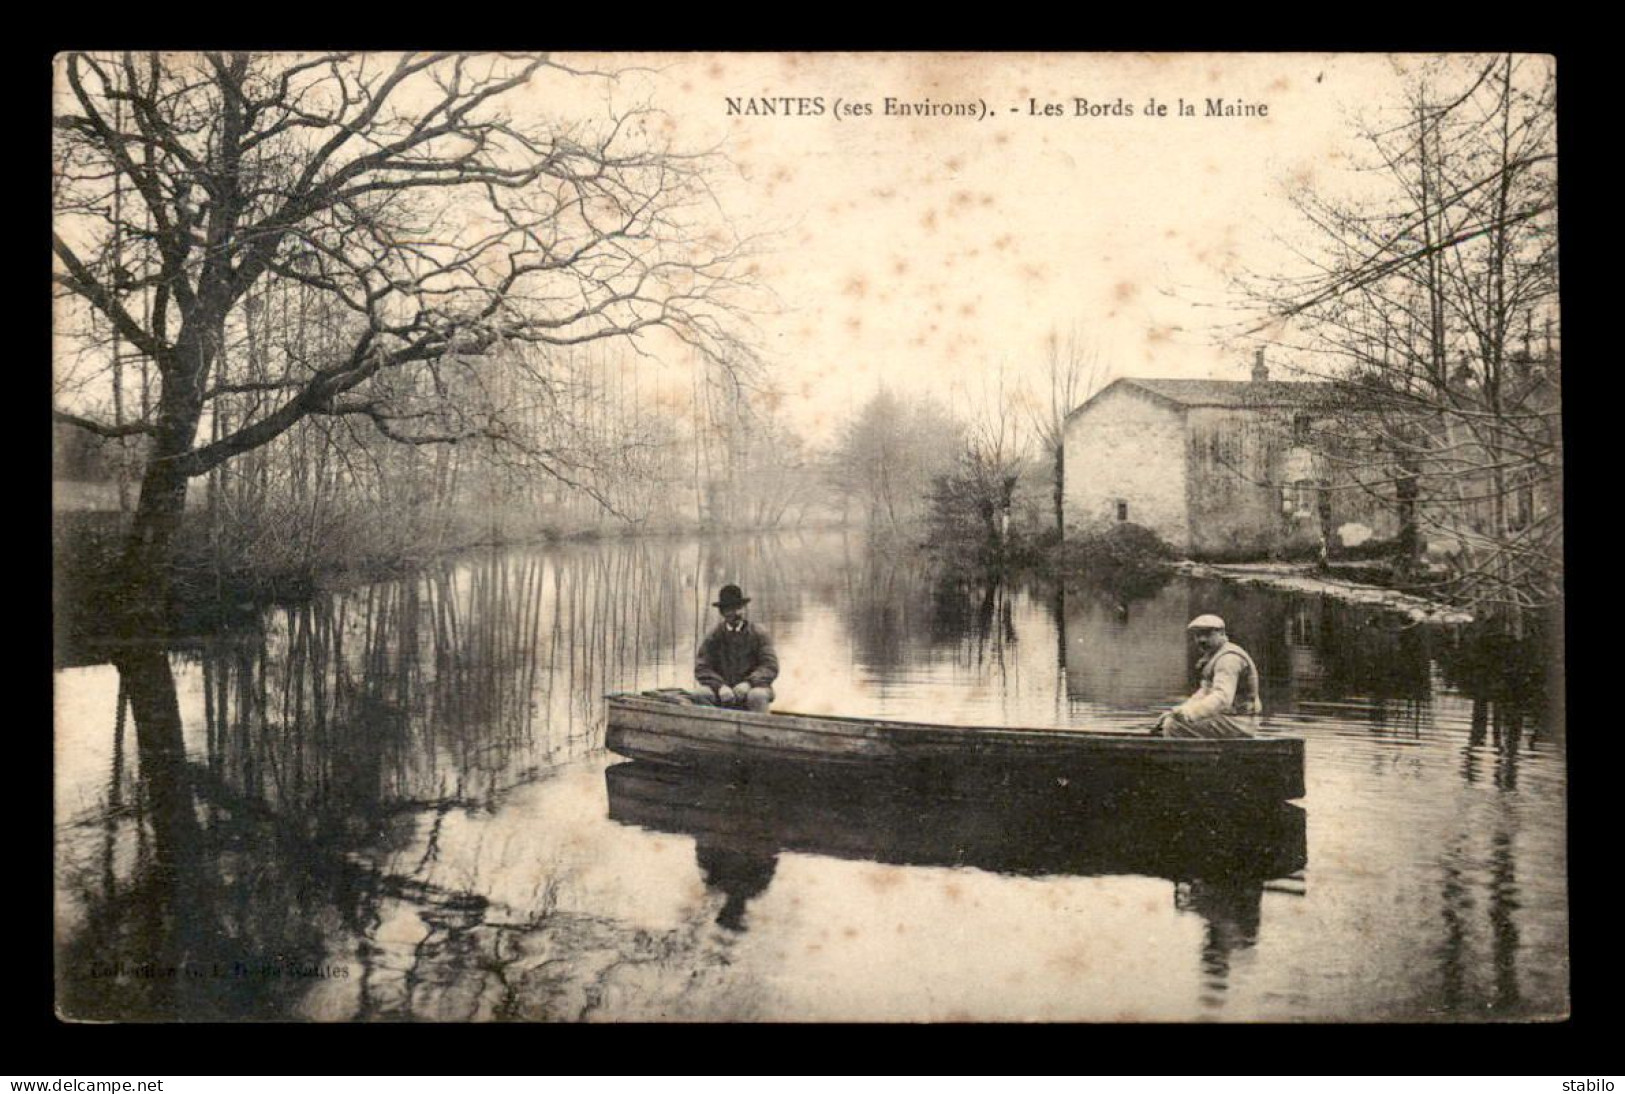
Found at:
(1219, 859)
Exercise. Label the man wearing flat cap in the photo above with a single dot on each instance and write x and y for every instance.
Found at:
(736, 665)
(1229, 687)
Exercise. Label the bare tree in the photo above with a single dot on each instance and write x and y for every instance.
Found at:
(996, 449)
(1432, 297)
(889, 455)
(1073, 371)
(749, 466)
(418, 197)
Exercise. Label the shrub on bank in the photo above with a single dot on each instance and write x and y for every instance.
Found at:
(85, 552)
(1128, 558)
(1121, 547)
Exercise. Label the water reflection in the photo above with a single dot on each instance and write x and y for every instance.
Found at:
(1219, 860)
(886, 821)
(738, 871)
(389, 803)
(194, 880)
(1308, 650)
(1231, 914)
(326, 731)
(1127, 656)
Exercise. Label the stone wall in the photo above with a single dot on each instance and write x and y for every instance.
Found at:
(1255, 489)
(1363, 513)
(1127, 446)
(1220, 483)
(1239, 462)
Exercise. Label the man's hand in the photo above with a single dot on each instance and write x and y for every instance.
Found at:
(725, 694)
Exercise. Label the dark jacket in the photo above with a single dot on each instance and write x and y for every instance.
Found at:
(727, 658)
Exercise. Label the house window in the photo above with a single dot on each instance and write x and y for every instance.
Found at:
(1300, 427)
(1122, 510)
(1298, 498)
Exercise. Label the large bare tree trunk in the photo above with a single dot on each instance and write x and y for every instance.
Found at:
(229, 195)
(149, 553)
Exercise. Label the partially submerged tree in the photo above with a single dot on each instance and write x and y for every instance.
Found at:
(1432, 294)
(422, 200)
(971, 503)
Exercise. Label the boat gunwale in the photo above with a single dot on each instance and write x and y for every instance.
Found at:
(882, 728)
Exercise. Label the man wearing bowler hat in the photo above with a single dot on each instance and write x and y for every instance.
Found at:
(1229, 686)
(736, 665)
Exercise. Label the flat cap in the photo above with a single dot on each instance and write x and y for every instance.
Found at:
(1205, 623)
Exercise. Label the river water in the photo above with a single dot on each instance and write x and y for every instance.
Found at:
(393, 803)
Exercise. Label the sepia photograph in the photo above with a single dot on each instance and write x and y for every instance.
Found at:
(771, 537)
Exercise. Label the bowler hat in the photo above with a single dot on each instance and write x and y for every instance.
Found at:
(731, 597)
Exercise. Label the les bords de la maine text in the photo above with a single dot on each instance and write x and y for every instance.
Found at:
(839, 107)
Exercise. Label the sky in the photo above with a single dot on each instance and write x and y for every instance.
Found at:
(938, 254)
(927, 253)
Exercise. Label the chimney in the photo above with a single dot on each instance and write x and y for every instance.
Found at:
(1261, 371)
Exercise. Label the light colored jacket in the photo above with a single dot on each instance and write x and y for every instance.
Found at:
(1229, 685)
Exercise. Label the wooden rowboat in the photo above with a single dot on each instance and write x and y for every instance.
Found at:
(1090, 766)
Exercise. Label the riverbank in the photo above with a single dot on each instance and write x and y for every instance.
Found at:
(89, 599)
(1132, 560)
(1306, 578)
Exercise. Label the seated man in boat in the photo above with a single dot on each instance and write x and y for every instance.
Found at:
(1229, 687)
(736, 665)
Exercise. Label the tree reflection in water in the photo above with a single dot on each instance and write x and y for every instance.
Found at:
(241, 865)
(169, 937)
(355, 784)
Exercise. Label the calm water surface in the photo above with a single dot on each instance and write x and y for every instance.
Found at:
(394, 803)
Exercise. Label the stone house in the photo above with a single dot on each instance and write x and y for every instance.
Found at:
(1220, 469)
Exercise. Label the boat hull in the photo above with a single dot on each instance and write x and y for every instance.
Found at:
(815, 750)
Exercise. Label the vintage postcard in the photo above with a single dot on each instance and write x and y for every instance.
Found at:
(790, 537)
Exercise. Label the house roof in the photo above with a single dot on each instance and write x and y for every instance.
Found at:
(1239, 392)
(1230, 393)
